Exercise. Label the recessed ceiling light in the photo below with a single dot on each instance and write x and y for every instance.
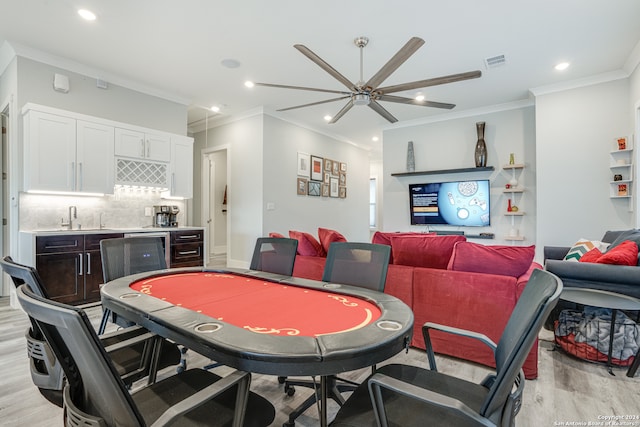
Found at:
(215, 108)
(420, 97)
(230, 63)
(327, 118)
(249, 84)
(374, 139)
(87, 14)
(562, 66)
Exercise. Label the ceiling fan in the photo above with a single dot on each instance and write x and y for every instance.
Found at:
(369, 93)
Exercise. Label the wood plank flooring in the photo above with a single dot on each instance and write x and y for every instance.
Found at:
(567, 390)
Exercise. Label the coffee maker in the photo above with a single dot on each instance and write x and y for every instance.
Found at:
(165, 216)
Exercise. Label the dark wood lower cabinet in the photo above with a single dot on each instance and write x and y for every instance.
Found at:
(187, 248)
(70, 266)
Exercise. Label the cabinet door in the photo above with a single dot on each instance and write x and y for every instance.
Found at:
(50, 152)
(157, 147)
(59, 274)
(129, 143)
(93, 278)
(95, 159)
(182, 167)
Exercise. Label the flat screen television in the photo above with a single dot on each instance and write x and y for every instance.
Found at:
(459, 203)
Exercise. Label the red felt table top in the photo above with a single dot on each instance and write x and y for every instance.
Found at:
(262, 306)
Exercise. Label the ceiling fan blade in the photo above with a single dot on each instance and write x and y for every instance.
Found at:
(398, 59)
(403, 100)
(342, 112)
(324, 65)
(430, 82)
(314, 103)
(380, 110)
(303, 88)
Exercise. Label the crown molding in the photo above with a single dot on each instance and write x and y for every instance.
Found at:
(578, 83)
(76, 67)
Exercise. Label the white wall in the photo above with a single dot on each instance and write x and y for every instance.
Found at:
(349, 216)
(574, 135)
(450, 144)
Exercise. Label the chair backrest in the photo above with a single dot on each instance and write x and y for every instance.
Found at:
(358, 264)
(130, 255)
(274, 255)
(539, 297)
(94, 384)
(21, 274)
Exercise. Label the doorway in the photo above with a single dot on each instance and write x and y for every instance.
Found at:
(215, 205)
(4, 192)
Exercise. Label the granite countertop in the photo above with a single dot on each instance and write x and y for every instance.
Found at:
(61, 231)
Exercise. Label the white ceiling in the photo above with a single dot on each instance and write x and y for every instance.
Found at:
(175, 48)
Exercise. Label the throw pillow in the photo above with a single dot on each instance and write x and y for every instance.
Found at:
(276, 235)
(583, 246)
(633, 235)
(591, 256)
(492, 259)
(422, 250)
(328, 236)
(307, 244)
(626, 253)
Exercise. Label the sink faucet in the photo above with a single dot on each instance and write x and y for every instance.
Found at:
(71, 217)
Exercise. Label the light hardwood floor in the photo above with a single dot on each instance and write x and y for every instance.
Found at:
(567, 390)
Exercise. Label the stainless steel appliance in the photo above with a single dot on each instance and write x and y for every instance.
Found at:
(165, 216)
(166, 240)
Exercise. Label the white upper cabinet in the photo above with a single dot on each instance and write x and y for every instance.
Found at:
(181, 180)
(65, 154)
(140, 145)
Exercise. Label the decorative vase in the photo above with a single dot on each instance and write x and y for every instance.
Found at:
(411, 160)
(481, 147)
(509, 208)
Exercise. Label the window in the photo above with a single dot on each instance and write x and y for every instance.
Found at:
(373, 185)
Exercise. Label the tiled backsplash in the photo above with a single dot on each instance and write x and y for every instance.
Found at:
(124, 209)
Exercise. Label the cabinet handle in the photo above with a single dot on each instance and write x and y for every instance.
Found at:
(187, 252)
(81, 269)
(189, 236)
(141, 147)
(173, 183)
(148, 149)
(80, 176)
(73, 175)
(88, 263)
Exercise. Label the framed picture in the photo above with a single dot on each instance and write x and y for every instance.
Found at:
(622, 142)
(303, 164)
(342, 192)
(325, 190)
(314, 188)
(328, 165)
(333, 190)
(302, 186)
(343, 167)
(316, 168)
(343, 178)
(335, 169)
(327, 178)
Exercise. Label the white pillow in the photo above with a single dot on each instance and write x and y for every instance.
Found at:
(583, 246)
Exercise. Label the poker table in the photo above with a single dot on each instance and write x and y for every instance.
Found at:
(263, 322)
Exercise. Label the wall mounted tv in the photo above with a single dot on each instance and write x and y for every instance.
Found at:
(460, 203)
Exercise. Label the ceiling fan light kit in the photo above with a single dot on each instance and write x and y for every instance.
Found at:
(369, 93)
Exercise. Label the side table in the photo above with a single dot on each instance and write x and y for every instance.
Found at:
(606, 299)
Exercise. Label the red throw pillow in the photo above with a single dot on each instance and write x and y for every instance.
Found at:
(328, 236)
(307, 244)
(591, 256)
(495, 259)
(626, 253)
(276, 235)
(424, 250)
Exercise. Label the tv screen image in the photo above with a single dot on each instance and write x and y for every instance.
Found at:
(460, 203)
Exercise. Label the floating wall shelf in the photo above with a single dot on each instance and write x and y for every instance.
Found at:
(443, 171)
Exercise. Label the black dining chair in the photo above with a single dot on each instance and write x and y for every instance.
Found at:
(274, 255)
(96, 396)
(124, 256)
(350, 263)
(408, 396)
(132, 361)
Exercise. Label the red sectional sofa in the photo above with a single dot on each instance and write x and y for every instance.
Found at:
(471, 292)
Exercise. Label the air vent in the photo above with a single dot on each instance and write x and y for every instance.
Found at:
(495, 61)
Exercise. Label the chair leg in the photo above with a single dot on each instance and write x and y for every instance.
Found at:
(105, 318)
(334, 391)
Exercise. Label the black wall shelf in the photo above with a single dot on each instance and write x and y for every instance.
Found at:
(443, 171)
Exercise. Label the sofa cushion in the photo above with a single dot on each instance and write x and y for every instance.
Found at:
(492, 259)
(626, 253)
(583, 246)
(633, 235)
(428, 251)
(328, 236)
(276, 235)
(307, 244)
(384, 238)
